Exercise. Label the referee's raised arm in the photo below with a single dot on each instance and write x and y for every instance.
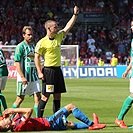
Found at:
(71, 22)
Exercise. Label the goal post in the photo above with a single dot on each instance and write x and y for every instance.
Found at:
(69, 60)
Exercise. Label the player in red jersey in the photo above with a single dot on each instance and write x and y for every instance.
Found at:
(22, 121)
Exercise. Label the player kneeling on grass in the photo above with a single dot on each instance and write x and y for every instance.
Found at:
(22, 121)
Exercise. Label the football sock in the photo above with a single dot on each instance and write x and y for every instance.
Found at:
(56, 105)
(125, 107)
(78, 114)
(41, 107)
(3, 100)
(14, 105)
(80, 125)
(36, 110)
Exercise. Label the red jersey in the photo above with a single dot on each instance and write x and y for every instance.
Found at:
(32, 124)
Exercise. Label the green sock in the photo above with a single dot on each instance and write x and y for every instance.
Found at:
(125, 107)
(3, 100)
(36, 110)
(14, 106)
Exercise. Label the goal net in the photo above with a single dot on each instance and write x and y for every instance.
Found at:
(69, 57)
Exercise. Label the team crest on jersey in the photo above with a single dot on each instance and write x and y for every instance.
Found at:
(49, 88)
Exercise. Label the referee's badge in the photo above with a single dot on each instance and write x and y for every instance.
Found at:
(49, 88)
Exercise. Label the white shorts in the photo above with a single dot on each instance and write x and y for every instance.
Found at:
(30, 89)
(131, 85)
(3, 82)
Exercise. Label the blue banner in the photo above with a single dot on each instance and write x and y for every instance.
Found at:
(93, 72)
(120, 70)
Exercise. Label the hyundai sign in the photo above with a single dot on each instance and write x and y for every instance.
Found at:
(93, 72)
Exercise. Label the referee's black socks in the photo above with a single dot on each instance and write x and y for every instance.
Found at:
(56, 105)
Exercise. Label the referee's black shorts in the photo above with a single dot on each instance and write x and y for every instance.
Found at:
(53, 80)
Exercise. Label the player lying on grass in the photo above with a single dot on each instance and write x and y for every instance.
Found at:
(22, 121)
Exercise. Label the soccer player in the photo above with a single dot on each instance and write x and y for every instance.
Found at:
(52, 76)
(57, 121)
(27, 78)
(3, 79)
(129, 100)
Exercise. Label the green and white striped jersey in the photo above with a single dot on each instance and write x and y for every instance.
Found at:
(24, 54)
(3, 65)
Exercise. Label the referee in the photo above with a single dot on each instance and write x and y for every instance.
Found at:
(51, 75)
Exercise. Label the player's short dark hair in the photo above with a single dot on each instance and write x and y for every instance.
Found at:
(2, 129)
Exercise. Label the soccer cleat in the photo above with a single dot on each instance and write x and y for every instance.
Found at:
(120, 123)
(97, 126)
(95, 118)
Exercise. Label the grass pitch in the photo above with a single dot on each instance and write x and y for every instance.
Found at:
(103, 96)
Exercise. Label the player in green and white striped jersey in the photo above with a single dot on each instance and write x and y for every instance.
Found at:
(3, 79)
(27, 78)
(127, 104)
(25, 55)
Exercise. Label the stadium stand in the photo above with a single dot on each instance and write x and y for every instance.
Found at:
(107, 22)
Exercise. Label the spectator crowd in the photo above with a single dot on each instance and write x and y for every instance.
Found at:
(95, 42)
